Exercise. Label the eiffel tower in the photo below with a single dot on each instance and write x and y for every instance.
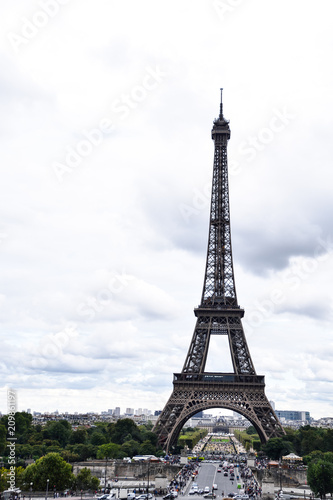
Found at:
(194, 389)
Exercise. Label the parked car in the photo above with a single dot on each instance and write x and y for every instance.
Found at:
(209, 495)
(144, 496)
(131, 496)
(170, 495)
(206, 490)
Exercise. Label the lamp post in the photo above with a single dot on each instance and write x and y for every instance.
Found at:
(30, 489)
(47, 488)
(106, 464)
(148, 478)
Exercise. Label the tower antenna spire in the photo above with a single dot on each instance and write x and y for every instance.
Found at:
(221, 107)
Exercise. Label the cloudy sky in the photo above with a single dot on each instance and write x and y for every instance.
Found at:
(107, 108)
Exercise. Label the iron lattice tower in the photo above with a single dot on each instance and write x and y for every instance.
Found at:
(194, 389)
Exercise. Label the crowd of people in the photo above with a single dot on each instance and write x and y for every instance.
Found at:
(215, 444)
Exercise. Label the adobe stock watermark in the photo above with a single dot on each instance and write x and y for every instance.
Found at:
(249, 150)
(96, 304)
(300, 270)
(11, 438)
(224, 7)
(121, 107)
(30, 27)
(52, 346)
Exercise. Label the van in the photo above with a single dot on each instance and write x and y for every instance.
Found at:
(214, 486)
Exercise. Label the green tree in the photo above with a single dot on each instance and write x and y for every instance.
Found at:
(4, 478)
(24, 450)
(69, 456)
(97, 439)
(131, 448)
(146, 448)
(85, 481)
(275, 448)
(60, 431)
(3, 435)
(84, 451)
(79, 436)
(109, 450)
(320, 477)
(38, 451)
(53, 467)
(124, 430)
(251, 430)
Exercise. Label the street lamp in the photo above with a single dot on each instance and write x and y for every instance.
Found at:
(106, 464)
(47, 488)
(30, 489)
(148, 478)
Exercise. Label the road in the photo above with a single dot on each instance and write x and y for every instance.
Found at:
(208, 476)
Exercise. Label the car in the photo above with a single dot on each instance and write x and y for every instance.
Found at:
(206, 490)
(225, 473)
(131, 496)
(214, 487)
(209, 495)
(219, 470)
(170, 495)
(231, 495)
(144, 496)
(192, 491)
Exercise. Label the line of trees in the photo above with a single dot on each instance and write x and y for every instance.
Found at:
(104, 440)
(302, 441)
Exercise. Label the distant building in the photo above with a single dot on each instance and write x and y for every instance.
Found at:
(116, 411)
(293, 415)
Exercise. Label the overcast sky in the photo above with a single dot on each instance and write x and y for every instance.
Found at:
(107, 108)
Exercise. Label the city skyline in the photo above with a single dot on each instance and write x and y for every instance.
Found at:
(106, 189)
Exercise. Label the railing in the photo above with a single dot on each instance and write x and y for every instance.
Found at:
(219, 378)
